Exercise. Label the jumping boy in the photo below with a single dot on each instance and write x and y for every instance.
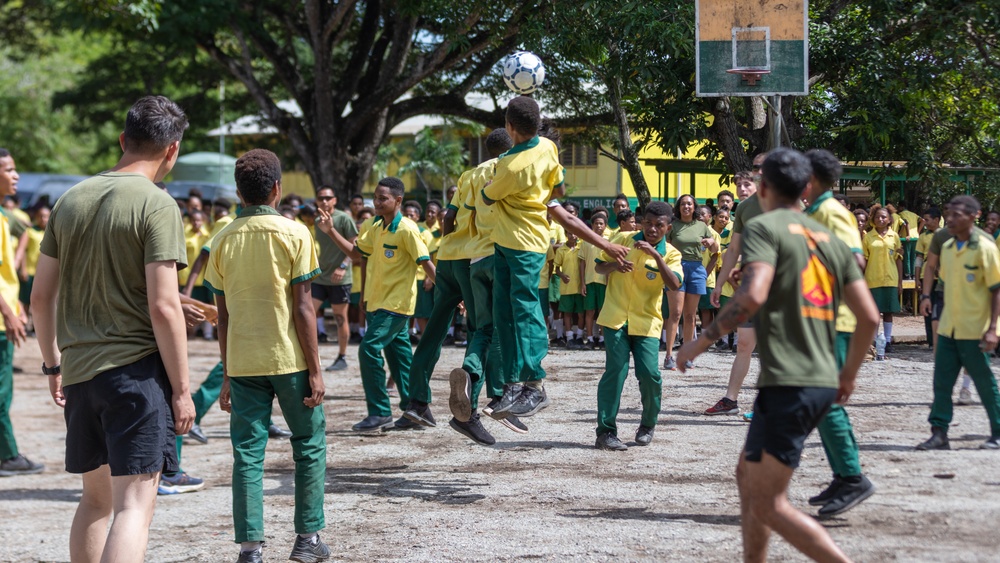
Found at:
(260, 269)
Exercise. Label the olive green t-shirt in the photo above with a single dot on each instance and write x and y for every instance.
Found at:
(104, 231)
(795, 326)
(686, 237)
(330, 255)
(746, 210)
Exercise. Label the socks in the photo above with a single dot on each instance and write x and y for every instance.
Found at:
(966, 381)
(579, 333)
(250, 545)
(361, 331)
(320, 327)
(313, 537)
(888, 332)
(560, 331)
(451, 331)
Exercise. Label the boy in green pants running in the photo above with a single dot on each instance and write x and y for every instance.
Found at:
(260, 269)
(632, 323)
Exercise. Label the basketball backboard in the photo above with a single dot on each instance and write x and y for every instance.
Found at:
(751, 47)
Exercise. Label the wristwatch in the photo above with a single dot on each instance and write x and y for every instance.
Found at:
(924, 296)
(54, 370)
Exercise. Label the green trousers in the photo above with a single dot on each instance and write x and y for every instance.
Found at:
(645, 351)
(950, 356)
(835, 430)
(251, 398)
(517, 314)
(482, 356)
(451, 287)
(387, 332)
(8, 445)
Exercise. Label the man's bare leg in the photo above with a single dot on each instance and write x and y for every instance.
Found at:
(756, 535)
(741, 365)
(134, 500)
(766, 486)
(90, 524)
(343, 329)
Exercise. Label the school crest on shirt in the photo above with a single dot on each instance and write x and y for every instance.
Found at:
(970, 277)
(650, 276)
(389, 253)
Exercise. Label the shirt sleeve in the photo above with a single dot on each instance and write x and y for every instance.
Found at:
(415, 245)
(504, 183)
(49, 246)
(305, 265)
(164, 240)
(865, 248)
(898, 247)
(759, 245)
(673, 260)
(214, 278)
(462, 193)
(991, 266)
(365, 242)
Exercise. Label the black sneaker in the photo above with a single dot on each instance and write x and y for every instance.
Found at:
(609, 441)
(600, 344)
(403, 423)
(355, 338)
(828, 493)
(559, 342)
(420, 413)
(511, 392)
(992, 444)
(459, 401)
(340, 364)
(847, 497)
(373, 424)
(530, 401)
(275, 431)
(309, 551)
(514, 424)
(937, 441)
(574, 344)
(19, 465)
(643, 436)
(197, 435)
(473, 429)
(488, 409)
(322, 338)
(253, 556)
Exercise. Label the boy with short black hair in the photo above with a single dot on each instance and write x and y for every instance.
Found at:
(260, 269)
(567, 268)
(626, 222)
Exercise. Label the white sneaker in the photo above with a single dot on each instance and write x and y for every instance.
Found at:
(964, 397)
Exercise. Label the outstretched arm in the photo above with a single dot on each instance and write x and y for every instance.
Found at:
(575, 225)
(325, 224)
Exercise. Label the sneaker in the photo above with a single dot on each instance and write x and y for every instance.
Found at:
(747, 416)
(828, 493)
(473, 429)
(488, 409)
(600, 344)
(530, 401)
(322, 338)
(688, 364)
(403, 423)
(373, 423)
(937, 441)
(180, 483)
(721, 345)
(275, 431)
(19, 465)
(252, 556)
(309, 551)
(462, 343)
(735, 348)
(574, 344)
(420, 413)
(449, 339)
(609, 441)
(559, 342)
(339, 365)
(992, 444)
(197, 435)
(511, 391)
(847, 497)
(514, 424)
(888, 347)
(964, 397)
(669, 363)
(459, 401)
(724, 406)
(643, 436)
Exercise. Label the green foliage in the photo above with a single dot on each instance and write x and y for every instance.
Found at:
(436, 157)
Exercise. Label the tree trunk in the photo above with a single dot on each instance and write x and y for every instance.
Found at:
(629, 156)
(725, 133)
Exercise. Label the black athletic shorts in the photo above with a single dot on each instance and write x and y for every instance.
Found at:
(782, 419)
(332, 294)
(937, 305)
(123, 418)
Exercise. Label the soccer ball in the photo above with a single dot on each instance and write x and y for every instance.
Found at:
(523, 72)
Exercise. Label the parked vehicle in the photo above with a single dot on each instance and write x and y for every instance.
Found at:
(36, 187)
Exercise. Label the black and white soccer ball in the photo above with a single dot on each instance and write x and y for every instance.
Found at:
(523, 72)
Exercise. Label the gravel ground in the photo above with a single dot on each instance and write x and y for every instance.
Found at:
(548, 495)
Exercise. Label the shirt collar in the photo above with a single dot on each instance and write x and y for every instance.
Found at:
(521, 147)
(815, 205)
(392, 226)
(661, 246)
(253, 210)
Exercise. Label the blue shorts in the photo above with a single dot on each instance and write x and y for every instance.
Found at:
(695, 277)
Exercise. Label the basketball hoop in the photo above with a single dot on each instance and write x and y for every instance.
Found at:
(749, 75)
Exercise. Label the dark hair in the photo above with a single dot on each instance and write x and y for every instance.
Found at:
(622, 197)
(572, 204)
(786, 171)
(152, 124)
(548, 130)
(286, 210)
(434, 202)
(599, 209)
(826, 167)
(367, 210)
(394, 184)
(841, 198)
(256, 173)
(702, 210)
(969, 204)
(677, 205)
(222, 202)
(4, 153)
(319, 189)
(523, 116)
(659, 209)
(194, 212)
(744, 175)
(414, 204)
(307, 209)
(625, 215)
(725, 192)
(356, 196)
(498, 142)
(599, 214)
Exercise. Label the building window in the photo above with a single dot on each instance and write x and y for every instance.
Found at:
(578, 155)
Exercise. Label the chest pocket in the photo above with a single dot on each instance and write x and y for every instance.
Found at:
(390, 252)
(972, 273)
(649, 272)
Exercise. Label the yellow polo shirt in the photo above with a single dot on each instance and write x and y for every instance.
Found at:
(970, 274)
(454, 245)
(217, 227)
(897, 223)
(33, 250)
(589, 255)
(428, 237)
(923, 247)
(557, 233)
(635, 298)
(706, 257)
(356, 266)
(912, 220)
(193, 242)
(10, 285)
(521, 187)
(392, 250)
(568, 262)
(882, 252)
(484, 216)
(546, 273)
(254, 263)
(831, 214)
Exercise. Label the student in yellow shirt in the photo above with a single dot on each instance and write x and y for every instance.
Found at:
(626, 222)
(617, 206)
(31, 253)
(632, 321)
(930, 221)
(567, 264)
(361, 218)
(992, 224)
(884, 272)
(425, 286)
(897, 223)
(594, 286)
(392, 245)
(711, 261)
(260, 269)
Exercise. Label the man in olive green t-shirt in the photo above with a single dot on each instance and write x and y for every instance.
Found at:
(795, 273)
(110, 257)
(334, 284)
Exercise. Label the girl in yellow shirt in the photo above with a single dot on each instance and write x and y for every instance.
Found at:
(884, 270)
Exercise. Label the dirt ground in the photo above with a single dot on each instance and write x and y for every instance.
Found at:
(549, 495)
